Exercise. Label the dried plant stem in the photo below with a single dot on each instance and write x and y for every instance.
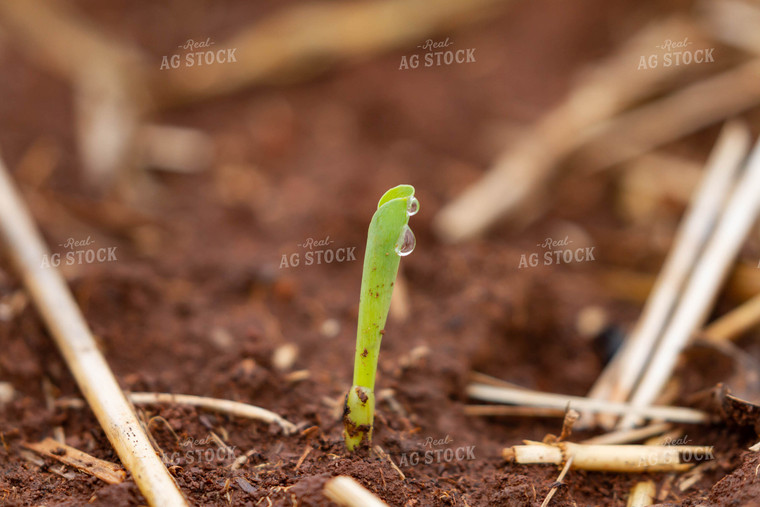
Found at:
(508, 410)
(42, 25)
(36, 460)
(712, 269)
(74, 339)
(619, 379)
(481, 378)
(385, 456)
(629, 436)
(521, 171)
(103, 470)
(319, 35)
(642, 494)
(635, 287)
(306, 452)
(230, 407)
(607, 458)
(559, 401)
(672, 117)
(736, 322)
(695, 475)
(733, 22)
(346, 491)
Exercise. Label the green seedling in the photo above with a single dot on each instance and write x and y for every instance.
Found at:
(389, 238)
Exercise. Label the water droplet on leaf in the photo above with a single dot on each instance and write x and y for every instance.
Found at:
(406, 242)
(413, 207)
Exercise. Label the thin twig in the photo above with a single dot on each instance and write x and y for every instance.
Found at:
(383, 455)
(558, 482)
(225, 406)
(74, 339)
(306, 452)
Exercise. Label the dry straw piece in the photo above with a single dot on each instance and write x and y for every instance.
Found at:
(346, 491)
(736, 322)
(525, 397)
(711, 270)
(67, 326)
(225, 406)
(642, 494)
(525, 168)
(673, 117)
(103, 470)
(619, 378)
(609, 458)
(629, 435)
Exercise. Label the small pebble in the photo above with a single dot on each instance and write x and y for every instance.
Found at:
(591, 321)
(330, 328)
(284, 356)
(221, 338)
(7, 393)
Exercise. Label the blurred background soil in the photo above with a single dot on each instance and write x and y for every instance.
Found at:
(198, 301)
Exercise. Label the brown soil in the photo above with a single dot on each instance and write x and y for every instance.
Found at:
(197, 302)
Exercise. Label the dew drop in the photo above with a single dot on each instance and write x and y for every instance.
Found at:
(406, 242)
(414, 206)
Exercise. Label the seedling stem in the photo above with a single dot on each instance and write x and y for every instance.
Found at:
(389, 238)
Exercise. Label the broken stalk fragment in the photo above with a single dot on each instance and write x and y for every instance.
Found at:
(389, 238)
